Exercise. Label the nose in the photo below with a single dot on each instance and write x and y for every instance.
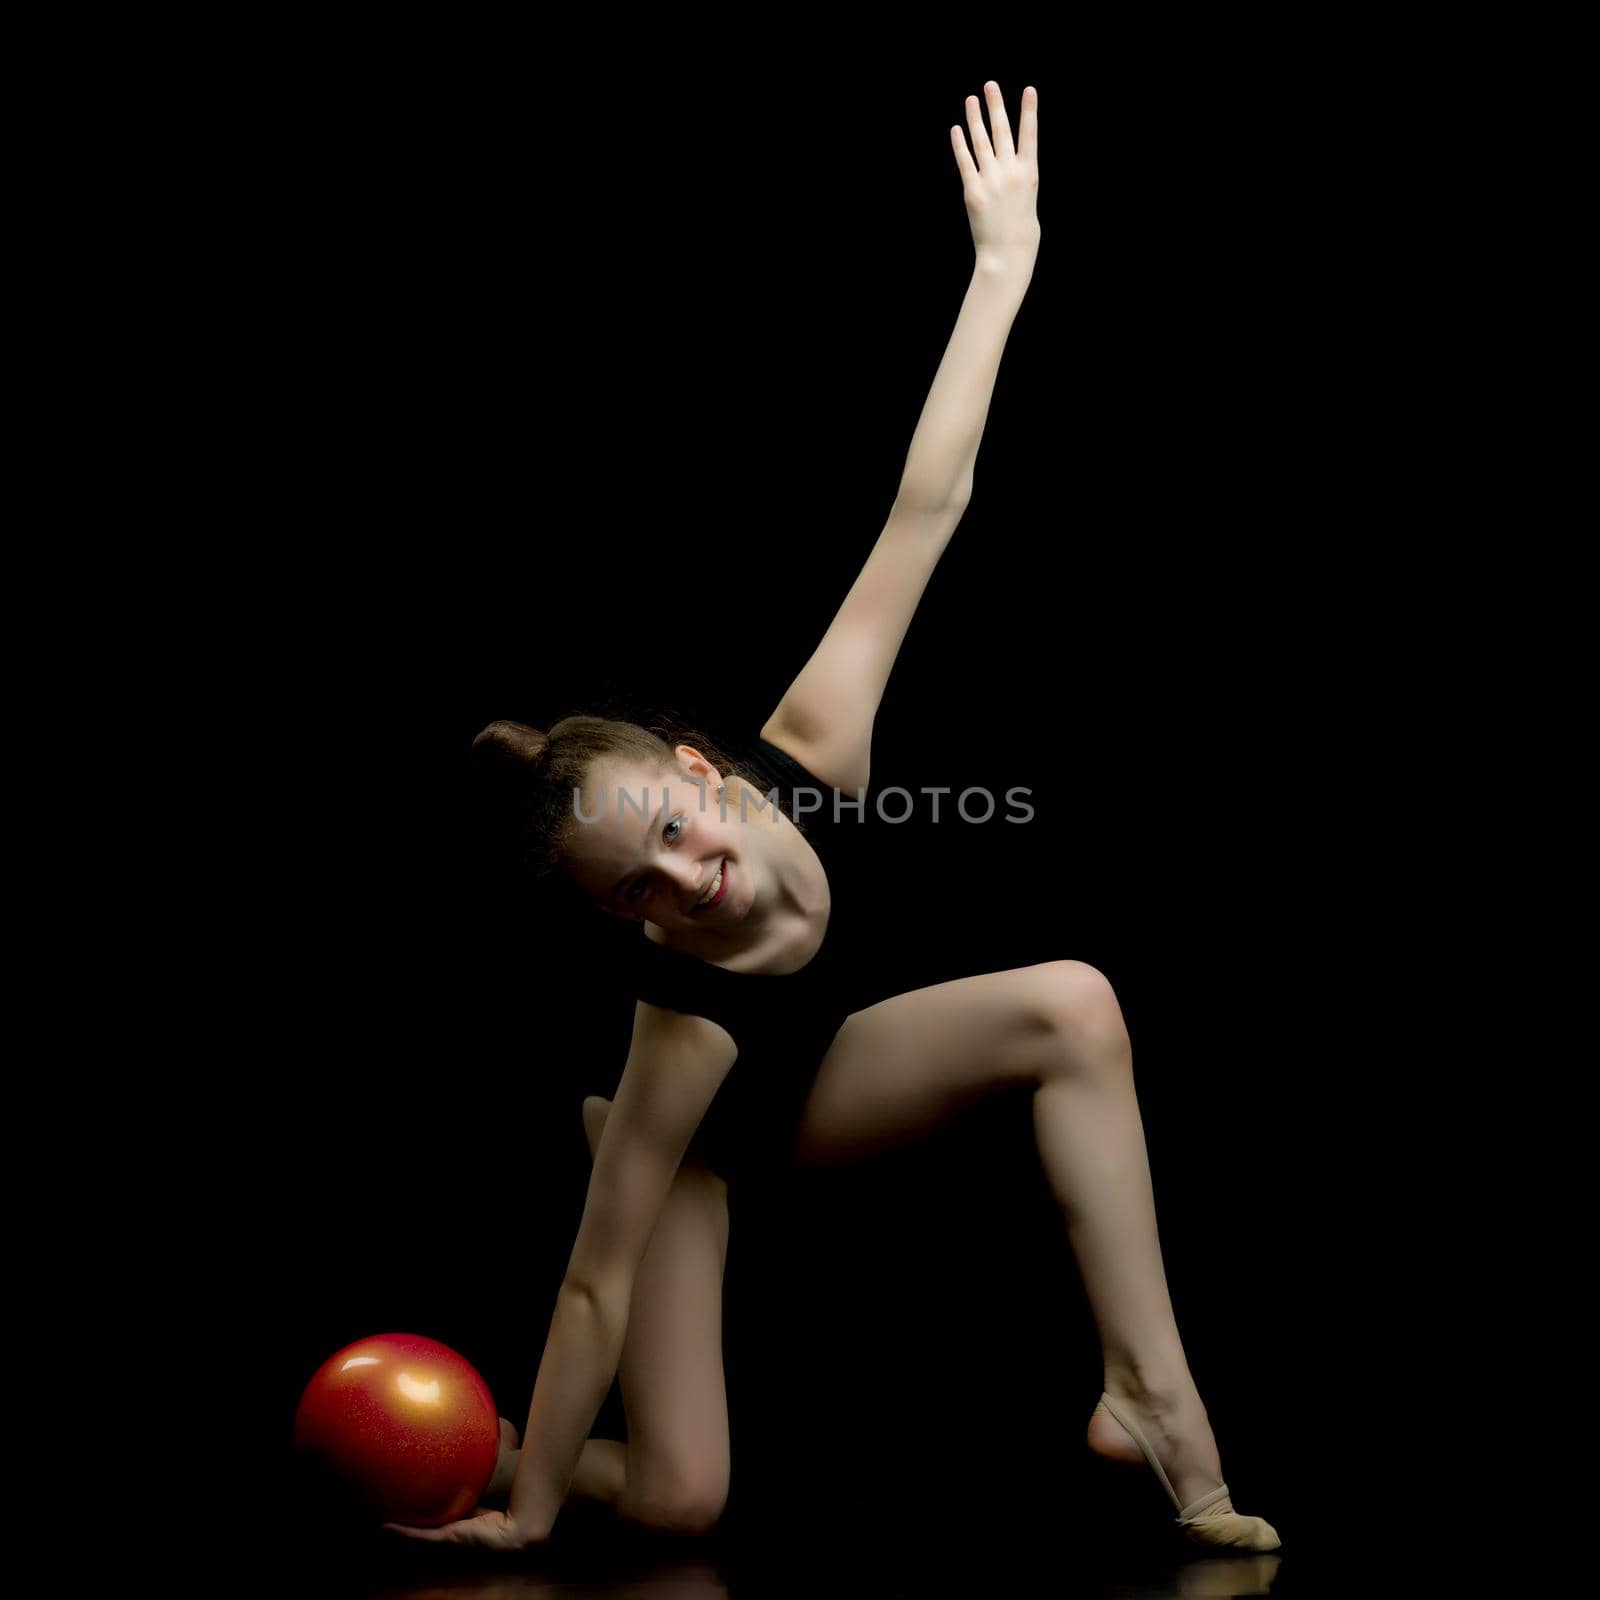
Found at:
(687, 881)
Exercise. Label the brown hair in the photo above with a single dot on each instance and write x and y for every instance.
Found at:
(529, 778)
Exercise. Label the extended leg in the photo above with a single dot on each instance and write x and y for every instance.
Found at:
(1091, 1141)
(911, 1063)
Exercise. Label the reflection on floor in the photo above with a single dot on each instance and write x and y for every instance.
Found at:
(1077, 1553)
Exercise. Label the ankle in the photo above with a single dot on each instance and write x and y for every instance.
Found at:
(1146, 1375)
(1152, 1389)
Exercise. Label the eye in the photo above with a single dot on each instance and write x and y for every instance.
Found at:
(638, 883)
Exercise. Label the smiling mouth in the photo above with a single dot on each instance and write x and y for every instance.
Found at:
(721, 881)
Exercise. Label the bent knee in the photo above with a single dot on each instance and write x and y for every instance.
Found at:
(687, 1509)
(1081, 1007)
(697, 1515)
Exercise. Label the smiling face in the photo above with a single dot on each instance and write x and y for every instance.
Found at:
(658, 841)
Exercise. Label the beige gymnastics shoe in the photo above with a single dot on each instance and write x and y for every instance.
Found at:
(1218, 1530)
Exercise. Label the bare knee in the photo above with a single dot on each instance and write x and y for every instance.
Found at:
(595, 1109)
(687, 1507)
(1084, 1017)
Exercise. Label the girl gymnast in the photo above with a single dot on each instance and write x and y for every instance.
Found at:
(736, 902)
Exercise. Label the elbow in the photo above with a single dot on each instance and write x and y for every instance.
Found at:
(576, 1289)
(606, 1301)
(945, 507)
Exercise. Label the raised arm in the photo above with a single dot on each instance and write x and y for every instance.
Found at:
(825, 716)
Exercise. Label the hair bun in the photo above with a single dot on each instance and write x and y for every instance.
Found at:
(513, 742)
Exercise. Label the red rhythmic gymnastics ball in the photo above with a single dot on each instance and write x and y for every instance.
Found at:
(404, 1424)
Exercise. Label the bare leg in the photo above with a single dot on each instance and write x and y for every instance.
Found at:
(1091, 1141)
(912, 1062)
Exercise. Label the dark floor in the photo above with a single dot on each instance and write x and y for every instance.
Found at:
(1114, 1543)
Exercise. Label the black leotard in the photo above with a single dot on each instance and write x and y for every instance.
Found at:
(782, 1023)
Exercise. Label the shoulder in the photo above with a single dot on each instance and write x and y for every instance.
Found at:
(661, 1031)
(829, 764)
(676, 1062)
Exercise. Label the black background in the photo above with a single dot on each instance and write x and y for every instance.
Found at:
(591, 386)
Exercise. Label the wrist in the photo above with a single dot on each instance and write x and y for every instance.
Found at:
(532, 1521)
(1010, 268)
(527, 1535)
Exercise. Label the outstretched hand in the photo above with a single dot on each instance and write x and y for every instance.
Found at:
(1000, 180)
(487, 1530)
